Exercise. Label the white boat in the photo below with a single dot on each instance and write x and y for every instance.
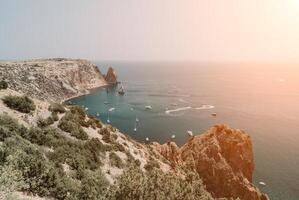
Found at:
(147, 139)
(137, 120)
(121, 90)
(111, 109)
(98, 114)
(262, 183)
(190, 133)
(86, 108)
(108, 120)
(173, 136)
(148, 107)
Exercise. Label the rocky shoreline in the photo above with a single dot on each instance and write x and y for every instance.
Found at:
(222, 157)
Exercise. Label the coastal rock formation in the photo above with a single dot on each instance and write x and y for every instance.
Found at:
(52, 79)
(111, 76)
(223, 157)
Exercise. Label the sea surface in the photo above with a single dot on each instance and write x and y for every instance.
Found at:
(261, 99)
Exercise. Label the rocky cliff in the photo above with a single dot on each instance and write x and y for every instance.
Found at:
(223, 157)
(52, 79)
(111, 76)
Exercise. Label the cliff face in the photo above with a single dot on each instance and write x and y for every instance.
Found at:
(223, 158)
(52, 79)
(111, 76)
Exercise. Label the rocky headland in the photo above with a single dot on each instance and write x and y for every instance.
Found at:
(52, 79)
(222, 158)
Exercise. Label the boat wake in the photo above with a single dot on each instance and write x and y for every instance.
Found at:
(203, 107)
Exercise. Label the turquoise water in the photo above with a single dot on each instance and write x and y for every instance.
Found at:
(263, 100)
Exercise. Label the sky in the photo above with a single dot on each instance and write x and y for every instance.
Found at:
(151, 30)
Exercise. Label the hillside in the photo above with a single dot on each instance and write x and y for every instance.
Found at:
(55, 151)
(52, 79)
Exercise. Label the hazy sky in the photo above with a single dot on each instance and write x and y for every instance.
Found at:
(203, 30)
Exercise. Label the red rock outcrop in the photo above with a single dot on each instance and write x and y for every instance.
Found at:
(223, 157)
(111, 77)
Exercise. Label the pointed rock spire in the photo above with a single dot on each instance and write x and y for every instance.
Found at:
(111, 76)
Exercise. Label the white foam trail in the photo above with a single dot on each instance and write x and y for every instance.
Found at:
(178, 109)
(203, 107)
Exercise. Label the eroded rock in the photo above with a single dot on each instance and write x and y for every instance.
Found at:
(223, 157)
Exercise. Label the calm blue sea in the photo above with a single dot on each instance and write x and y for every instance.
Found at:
(263, 100)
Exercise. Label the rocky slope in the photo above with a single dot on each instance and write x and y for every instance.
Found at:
(223, 157)
(111, 76)
(52, 79)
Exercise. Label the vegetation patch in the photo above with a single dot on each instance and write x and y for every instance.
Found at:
(57, 108)
(72, 127)
(20, 103)
(3, 85)
(115, 160)
(135, 184)
(151, 164)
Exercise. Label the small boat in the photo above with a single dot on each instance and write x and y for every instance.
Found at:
(147, 139)
(173, 136)
(174, 104)
(137, 120)
(106, 102)
(148, 107)
(86, 108)
(135, 129)
(262, 183)
(121, 90)
(190, 133)
(98, 114)
(111, 109)
(214, 114)
(108, 120)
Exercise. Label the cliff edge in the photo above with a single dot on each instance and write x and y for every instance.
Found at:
(223, 158)
(52, 79)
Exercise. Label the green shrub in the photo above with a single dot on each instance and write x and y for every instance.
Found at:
(45, 122)
(57, 108)
(115, 160)
(94, 185)
(3, 85)
(73, 128)
(54, 116)
(137, 162)
(151, 164)
(135, 184)
(22, 104)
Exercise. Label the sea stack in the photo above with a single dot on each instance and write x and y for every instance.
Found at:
(223, 157)
(111, 77)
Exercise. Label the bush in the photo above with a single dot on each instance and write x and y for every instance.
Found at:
(54, 116)
(57, 108)
(3, 85)
(151, 164)
(135, 184)
(45, 122)
(22, 104)
(73, 128)
(115, 160)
